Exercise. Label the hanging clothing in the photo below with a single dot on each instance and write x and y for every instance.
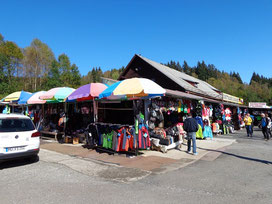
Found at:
(199, 133)
(144, 139)
(207, 133)
(199, 121)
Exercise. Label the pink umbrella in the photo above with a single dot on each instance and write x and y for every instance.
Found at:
(35, 98)
(57, 94)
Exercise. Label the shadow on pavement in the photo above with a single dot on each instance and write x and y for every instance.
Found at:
(18, 162)
(238, 156)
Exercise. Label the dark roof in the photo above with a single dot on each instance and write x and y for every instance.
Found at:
(187, 82)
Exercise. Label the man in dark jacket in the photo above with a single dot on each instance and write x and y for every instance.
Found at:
(264, 123)
(191, 127)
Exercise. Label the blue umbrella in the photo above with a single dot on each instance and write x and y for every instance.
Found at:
(24, 99)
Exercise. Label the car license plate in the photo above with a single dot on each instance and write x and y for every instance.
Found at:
(14, 149)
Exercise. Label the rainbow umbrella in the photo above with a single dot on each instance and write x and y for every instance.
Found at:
(58, 94)
(87, 92)
(35, 98)
(16, 96)
(133, 88)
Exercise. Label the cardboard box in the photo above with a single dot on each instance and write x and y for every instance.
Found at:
(68, 139)
(75, 140)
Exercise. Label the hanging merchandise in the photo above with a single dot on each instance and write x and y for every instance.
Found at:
(198, 109)
(222, 109)
(180, 107)
(6, 110)
(199, 133)
(199, 121)
(204, 111)
(228, 114)
(144, 139)
(206, 114)
(189, 108)
(185, 108)
(207, 133)
(217, 113)
(143, 134)
(128, 139)
(111, 136)
(216, 128)
(211, 111)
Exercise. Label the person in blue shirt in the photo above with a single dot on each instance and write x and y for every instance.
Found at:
(264, 123)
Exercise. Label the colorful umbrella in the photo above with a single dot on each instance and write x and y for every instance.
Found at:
(35, 98)
(133, 88)
(16, 96)
(57, 94)
(87, 92)
(23, 101)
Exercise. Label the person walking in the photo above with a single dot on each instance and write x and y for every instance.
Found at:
(264, 123)
(268, 125)
(248, 124)
(191, 127)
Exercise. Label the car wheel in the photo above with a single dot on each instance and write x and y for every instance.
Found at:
(33, 159)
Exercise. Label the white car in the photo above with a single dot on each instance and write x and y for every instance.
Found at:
(18, 137)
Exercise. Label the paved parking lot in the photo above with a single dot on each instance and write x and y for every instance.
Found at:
(240, 173)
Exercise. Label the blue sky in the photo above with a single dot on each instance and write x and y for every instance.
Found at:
(234, 35)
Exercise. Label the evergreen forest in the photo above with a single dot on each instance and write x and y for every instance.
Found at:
(36, 68)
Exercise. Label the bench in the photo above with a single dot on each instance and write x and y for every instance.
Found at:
(55, 134)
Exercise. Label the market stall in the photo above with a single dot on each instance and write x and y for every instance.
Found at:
(14, 99)
(81, 111)
(121, 125)
(53, 122)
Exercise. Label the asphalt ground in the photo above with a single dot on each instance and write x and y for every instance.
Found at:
(240, 173)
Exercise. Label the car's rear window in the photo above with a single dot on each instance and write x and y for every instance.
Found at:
(16, 125)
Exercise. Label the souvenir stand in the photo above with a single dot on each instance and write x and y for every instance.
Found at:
(165, 124)
(204, 115)
(121, 126)
(166, 117)
(54, 112)
(216, 120)
(81, 111)
(232, 117)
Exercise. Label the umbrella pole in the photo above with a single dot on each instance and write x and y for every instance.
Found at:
(137, 134)
(42, 111)
(94, 110)
(65, 119)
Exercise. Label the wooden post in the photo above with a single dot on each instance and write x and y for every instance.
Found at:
(65, 119)
(94, 111)
(137, 134)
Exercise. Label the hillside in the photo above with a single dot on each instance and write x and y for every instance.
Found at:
(259, 89)
(36, 67)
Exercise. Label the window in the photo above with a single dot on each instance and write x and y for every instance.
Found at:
(192, 83)
(16, 125)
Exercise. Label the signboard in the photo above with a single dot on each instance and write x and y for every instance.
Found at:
(257, 105)
(232, 99)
